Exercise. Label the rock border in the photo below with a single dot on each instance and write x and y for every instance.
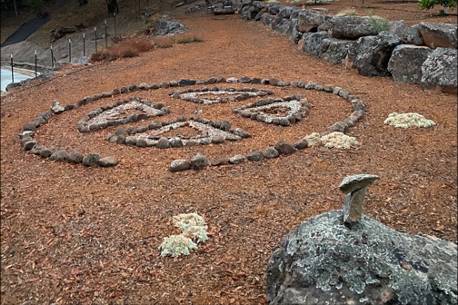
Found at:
(29, 144)
(85, 125)
(192, 95)
(255, 111)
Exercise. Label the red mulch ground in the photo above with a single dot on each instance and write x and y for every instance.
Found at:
(76, 235)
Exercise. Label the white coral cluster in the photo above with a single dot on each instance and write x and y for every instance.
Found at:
(331, 140)
(408, 120)
(194, 231)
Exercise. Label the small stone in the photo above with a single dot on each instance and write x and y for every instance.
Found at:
(302, 144)
(107, 162)
(28, 145)
(74, 157)
(163, 143)
(179, 165)
(141, 142)
(284, 148)
(232, 80)
(284, 122)
(270, 153)
(91, 159)
(237, 159)
(57, 108)
(45, 152)
(186, 82)
(217, 139)
(255, 156)
(176, 142)
(199, 161)
(241, 133)
(59, 155)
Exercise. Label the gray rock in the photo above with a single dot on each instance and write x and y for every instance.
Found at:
(312, 43)
(163, 142)
(351, 27)
(91, 160)
(407, 34)
(309, 21)
(325, 262)
(270, 153)
(282, 25)
(179, 165)
(284, 148)
(439, 69)
(28, 144)
(355, 182)
(255, 156)
(241, 133)
(438, 35)
(217, 139)
(406, 62)
(237, 159)
(57, 108)
(220, 162)
(74, 157)
(166, 26)
(336, 50)
(59, 155)
(372, 54)
(199, 161)
(107, 162)
(302, 144)
(176, 142)
(45, 152)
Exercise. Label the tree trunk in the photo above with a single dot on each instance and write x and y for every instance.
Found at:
(112, 6)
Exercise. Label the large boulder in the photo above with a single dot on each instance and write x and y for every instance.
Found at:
(372, 54)
(292, 32)
(309, 21)
(439, 69)
(312, 43)
(407, 34)
(166, 26)
(324, 261)
(336, 50)
(249, 11)
(438, 35)
(406, 62)
(281, 25)
(351, 27)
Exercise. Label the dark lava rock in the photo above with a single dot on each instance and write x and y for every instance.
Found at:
(406, 62)
(325, 262)
(91, 160)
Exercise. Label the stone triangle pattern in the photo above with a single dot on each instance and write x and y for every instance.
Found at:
(122, 112)
(207, 132)
(292, 109)
(208, 96)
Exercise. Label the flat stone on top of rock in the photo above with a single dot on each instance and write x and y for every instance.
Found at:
(356, 182)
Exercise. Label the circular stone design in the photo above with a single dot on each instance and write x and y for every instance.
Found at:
(208, 96)
(122, 112)
(282, 111)
(158, 134)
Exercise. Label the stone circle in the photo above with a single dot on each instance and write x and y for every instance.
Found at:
(160, 134)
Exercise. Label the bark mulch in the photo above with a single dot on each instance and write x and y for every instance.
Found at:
(76, 235)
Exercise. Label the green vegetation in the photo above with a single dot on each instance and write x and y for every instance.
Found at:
(429, 4)
(379, 24)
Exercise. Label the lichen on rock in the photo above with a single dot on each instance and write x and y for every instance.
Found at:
(408, 120)
(338, 140)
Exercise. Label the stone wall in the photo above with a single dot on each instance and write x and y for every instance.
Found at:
(424, 54)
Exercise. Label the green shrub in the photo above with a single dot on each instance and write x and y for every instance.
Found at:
(379, 24)
(429, 4)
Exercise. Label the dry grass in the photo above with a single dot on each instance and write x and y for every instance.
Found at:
(347, 12)
(130, 47)
(187, 38)
(163, 42)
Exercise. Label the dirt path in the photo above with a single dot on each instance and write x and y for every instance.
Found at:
(74, 235)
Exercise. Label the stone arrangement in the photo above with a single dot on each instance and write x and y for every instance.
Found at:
(345, 257)
(425, 53)
(122, 112)
(158, 134)
(283, 111)
(215, 95)
(209, 132)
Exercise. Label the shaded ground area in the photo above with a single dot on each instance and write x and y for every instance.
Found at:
(25, 30)
(75, 235)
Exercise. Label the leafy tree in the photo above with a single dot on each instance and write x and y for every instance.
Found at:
(429, 4)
